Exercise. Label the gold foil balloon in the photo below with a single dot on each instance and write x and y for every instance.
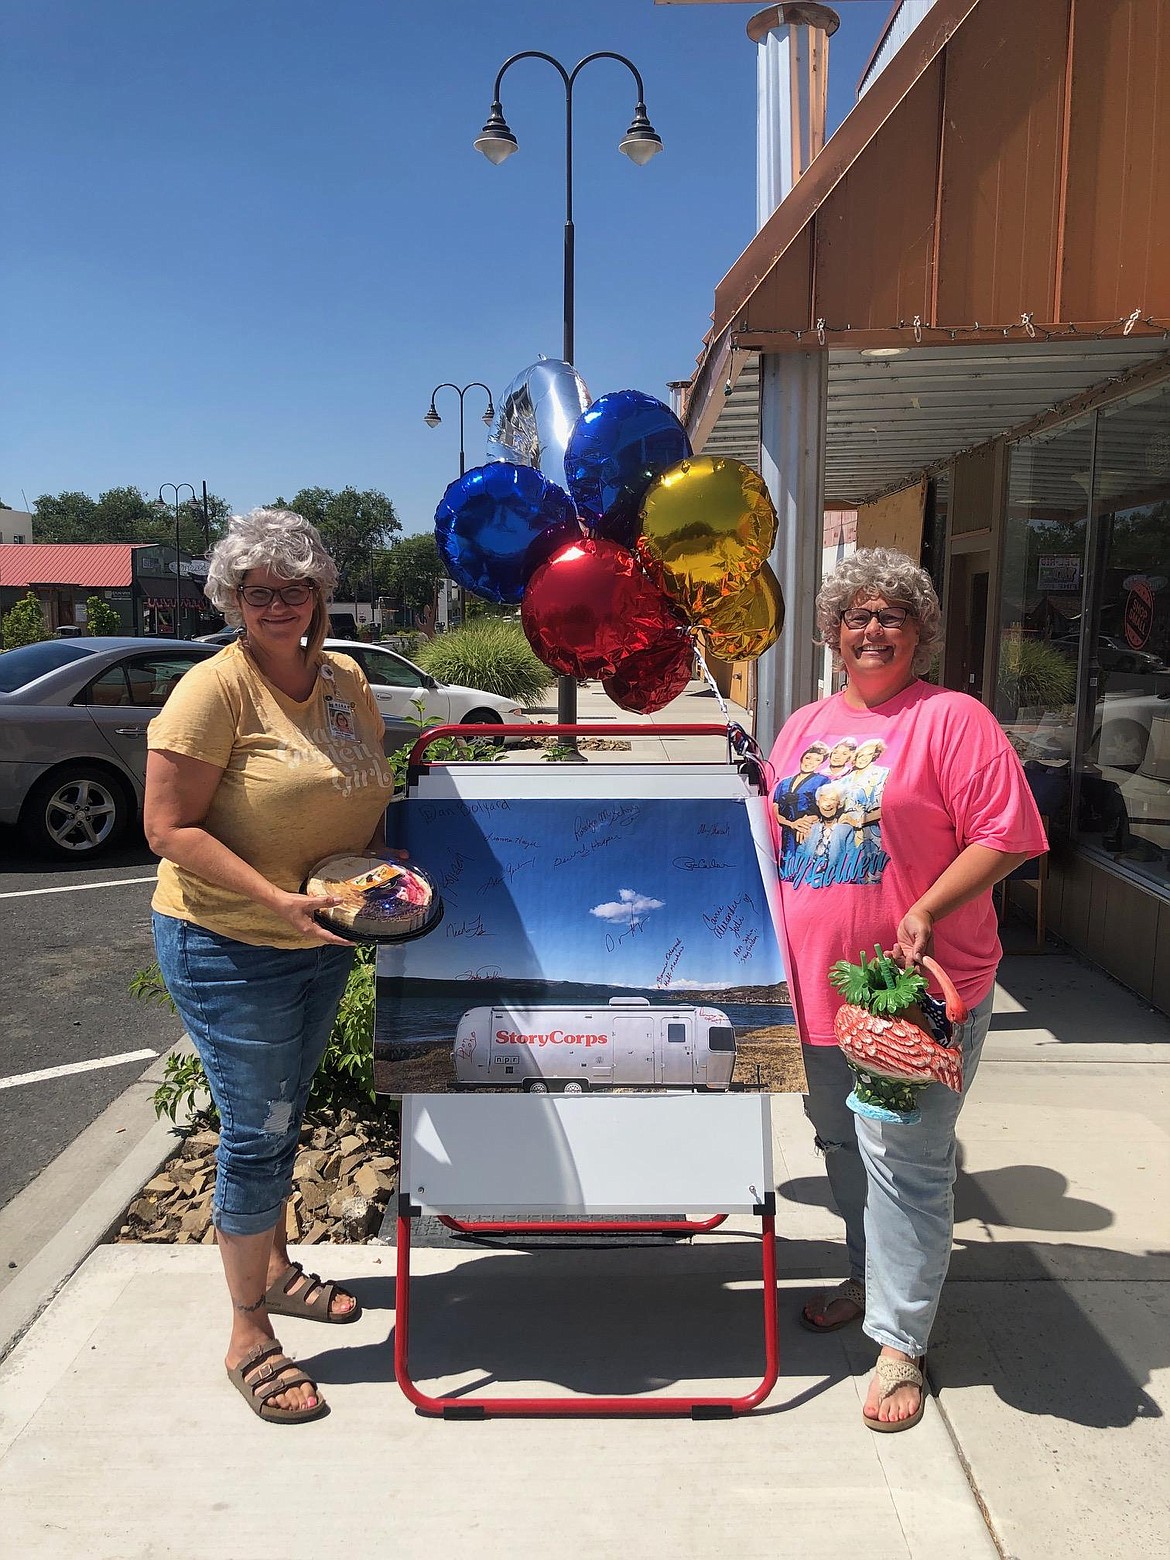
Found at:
(744, 626)
(707, 527)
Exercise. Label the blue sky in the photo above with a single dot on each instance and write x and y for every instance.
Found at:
(577, 891)
(242, 241)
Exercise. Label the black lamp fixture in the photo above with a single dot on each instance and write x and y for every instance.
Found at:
(176, 490)
(432, 419)
(497, 143)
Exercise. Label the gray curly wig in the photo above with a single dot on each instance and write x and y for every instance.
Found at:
(881, 571)
(285, 543)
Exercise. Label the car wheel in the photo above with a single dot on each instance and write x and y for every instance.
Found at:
(485, 718)
(536, 1086)
(76, 811)
(575, 1087)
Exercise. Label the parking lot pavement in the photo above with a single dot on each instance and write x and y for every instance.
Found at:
(74, 935)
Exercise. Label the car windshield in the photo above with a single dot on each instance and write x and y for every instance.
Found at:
(20, 667)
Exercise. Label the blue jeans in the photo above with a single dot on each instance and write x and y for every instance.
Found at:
(260, 1019)
(893, 1186)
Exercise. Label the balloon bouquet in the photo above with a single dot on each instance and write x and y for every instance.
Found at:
(617, 541)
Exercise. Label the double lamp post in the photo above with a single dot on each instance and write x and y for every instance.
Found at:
(496, 141)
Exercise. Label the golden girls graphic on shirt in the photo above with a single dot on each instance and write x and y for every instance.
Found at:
(829, 814)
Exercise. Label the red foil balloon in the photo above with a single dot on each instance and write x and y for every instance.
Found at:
(590, 606)
(649, 679)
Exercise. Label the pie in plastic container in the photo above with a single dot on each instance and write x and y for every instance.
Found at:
(381, 901)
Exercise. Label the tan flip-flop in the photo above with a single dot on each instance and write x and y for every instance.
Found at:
(317, 1308)
(894, 1373)
(264, 1373)
(852, 1290)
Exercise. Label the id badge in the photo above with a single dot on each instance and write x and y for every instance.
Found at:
(339, 714)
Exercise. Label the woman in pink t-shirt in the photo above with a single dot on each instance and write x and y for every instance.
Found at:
(903, 853)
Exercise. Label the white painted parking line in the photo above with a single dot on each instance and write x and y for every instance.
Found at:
(74, 888)
(74, 1067)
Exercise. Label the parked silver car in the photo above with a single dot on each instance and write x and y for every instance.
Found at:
(73, 719)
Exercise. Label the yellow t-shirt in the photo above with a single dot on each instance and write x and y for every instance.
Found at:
(301, 781)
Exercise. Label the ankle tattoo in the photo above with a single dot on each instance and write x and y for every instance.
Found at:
(249, 1309)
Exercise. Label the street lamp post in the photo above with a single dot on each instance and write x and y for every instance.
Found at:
(640, 142)
(178, 572)
(432, 419)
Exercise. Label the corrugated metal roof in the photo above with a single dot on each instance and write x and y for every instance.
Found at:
(96, 564)
(891, 418)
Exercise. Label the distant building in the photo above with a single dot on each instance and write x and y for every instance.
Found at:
(16, 527)
(139, 580)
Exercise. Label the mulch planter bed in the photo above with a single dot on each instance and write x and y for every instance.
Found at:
(345, 1174)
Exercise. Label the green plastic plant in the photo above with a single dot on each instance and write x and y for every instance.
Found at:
(879, 984)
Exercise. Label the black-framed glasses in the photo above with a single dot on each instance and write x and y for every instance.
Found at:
(888, 617)
(294, 595)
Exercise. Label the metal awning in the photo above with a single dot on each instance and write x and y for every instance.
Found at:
(892, 418)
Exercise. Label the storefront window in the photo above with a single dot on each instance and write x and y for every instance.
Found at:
(1042, 604)
(1123, 806)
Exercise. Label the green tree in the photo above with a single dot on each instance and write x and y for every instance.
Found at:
(23, 624)
(354, 527)
(408, 574)
(100, 617)
(126, 514)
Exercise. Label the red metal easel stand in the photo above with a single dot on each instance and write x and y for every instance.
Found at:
(661, 1407)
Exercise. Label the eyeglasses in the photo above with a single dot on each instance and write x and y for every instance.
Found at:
(291, 595)
(888, 617)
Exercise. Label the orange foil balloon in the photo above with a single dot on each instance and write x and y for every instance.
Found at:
(744, 626)
(707, 527)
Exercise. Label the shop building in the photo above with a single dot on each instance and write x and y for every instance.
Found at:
(148, 584)
(955, 321)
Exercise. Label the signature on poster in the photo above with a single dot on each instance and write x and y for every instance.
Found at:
(606, 818)
(510, 870)
(698, 864)
(673, 954)
(472, 928)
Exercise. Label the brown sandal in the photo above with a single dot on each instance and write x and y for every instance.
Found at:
(261, 1376)
(318, 1308)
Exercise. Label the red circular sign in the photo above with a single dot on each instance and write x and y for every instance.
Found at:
(1139, 614)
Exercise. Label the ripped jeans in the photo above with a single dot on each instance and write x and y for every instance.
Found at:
(893, 1186)
(260, 1019)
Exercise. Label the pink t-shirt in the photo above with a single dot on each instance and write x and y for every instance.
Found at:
(884, 802)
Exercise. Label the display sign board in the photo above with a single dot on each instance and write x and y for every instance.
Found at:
(598, 943)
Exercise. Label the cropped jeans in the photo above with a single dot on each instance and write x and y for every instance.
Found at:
(260, 1019)
(894, 1188)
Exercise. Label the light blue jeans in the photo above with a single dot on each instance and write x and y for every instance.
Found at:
(894, 1188)
(260, 1019)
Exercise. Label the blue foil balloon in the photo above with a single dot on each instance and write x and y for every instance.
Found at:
(615, 451)
(498, 523)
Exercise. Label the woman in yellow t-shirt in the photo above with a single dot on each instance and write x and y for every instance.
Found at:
(267, 758)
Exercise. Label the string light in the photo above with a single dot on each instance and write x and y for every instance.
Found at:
(1103, 330)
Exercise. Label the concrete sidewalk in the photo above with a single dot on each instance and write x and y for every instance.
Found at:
(120, 1435)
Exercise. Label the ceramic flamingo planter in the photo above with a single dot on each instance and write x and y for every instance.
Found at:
(884, 1030)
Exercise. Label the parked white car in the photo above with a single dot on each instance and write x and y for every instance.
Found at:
(397, 683)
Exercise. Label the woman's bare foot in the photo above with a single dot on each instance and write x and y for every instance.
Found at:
(898, 1403)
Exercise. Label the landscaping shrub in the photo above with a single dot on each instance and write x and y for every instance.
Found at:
(24, 623)
(344, 1080)
(489, 653)
(1033, 674)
